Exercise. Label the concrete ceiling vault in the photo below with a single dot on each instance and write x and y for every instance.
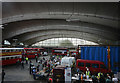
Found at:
(32, 22)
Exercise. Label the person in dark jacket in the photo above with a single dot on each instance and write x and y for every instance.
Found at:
(22, 63)
(30, 66)
(102, 79)
(3, 75)
(38, 68)
(43, 58)
(94, 79)
(36, 57)
(17, 63)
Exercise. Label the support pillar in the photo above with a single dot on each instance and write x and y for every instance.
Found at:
(109, 66)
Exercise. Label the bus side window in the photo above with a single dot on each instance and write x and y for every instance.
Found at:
(103, 66)
(3, 58)
(11, 50)
(95, 65)
(3, 50)
(15, 50)
(7, 58)
(11, 57)
(80, 64)
(87, 64)
(7, 50)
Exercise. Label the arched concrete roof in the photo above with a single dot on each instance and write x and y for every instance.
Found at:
(76, 34)
(29, 21)
(58, 24)
(44, 37)
(82, 34)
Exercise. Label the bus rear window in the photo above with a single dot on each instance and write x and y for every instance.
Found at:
(80, 64)
(95, 65)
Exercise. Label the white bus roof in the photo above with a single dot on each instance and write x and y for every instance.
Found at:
(9, 56)
(68, 57)
(9, 48)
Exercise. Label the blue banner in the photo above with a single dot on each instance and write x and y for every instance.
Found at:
(100, 53)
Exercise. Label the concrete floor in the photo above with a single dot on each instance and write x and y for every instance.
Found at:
(15, 74)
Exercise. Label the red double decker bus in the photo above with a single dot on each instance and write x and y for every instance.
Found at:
(33, 52)
(60, 51)
(10, 55)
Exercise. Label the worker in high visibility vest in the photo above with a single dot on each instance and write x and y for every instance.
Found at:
(87, 73)
(99, 74)
(26, 60)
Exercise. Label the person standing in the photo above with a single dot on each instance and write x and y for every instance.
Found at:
(22, 63)
(41, 61)
(108, 79)
(87, 73)
(26, 60)
(114, 79)
(38, 68)
(99, 74)
(23, 58)
(94, 79)
(43, 58)
(30, 66)
(102, 79)
(36, 57)
(78, 70)
(50, 80)
(17, 63)
(3, 75)
(34, 72)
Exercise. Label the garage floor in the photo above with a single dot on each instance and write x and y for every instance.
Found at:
(15, 74)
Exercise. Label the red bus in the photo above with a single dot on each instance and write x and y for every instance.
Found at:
(10, 55)
(73, 53)
(60, 51)
(33, 52)
(94, 66)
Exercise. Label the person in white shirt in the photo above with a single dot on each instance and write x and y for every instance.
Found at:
(114, 79)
